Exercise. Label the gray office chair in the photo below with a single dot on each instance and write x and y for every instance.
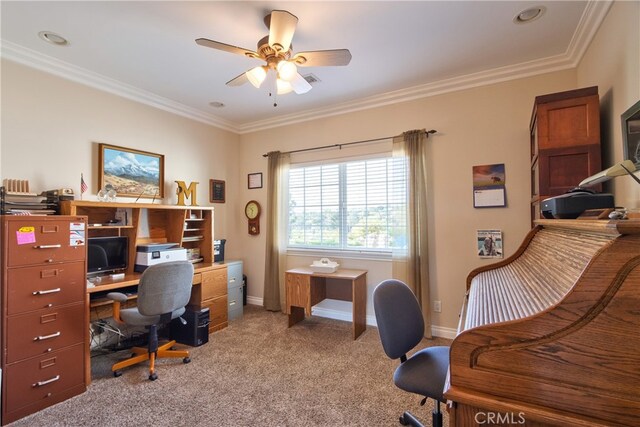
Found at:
(163, 292)
(401, 328)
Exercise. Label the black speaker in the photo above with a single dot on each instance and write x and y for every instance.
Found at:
(195, 332)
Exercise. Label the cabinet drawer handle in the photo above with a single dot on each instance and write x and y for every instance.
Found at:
(45, 382)
(48, 246)
(232, 280)
(46, 337)
(50, 291)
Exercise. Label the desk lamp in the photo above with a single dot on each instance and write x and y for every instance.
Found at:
(619, 169)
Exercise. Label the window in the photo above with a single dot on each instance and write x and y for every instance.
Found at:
(357, 205)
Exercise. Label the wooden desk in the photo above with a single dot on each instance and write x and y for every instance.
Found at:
(304, 289)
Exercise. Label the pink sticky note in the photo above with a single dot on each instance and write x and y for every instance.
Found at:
(26, 237)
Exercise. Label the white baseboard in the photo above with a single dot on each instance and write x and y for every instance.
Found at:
(442, 332)
(254, 301)
(436, 331)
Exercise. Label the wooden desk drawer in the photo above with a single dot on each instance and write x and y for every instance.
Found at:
(197, 279)
(35, 241)
(214, 283)
(33, 288)
(44, 331)
(41, 378)
(217, 313)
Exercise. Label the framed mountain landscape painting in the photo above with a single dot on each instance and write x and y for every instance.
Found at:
(131, 173)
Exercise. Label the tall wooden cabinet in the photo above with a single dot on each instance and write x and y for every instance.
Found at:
(565, 143)
(44, 312)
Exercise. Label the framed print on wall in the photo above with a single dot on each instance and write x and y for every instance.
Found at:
(216, 191)
(631, 134)
(255, 180)
(131, 173)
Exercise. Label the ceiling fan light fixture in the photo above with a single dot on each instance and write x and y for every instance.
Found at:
(286, 70)
(256, 76)
(283, 87)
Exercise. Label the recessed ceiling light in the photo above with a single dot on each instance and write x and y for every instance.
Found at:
(529, 15)
(216, 104)
(53, 38)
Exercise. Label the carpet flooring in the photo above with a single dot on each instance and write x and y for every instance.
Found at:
(256, 372)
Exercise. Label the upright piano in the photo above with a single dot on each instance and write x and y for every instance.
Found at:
(551, 335)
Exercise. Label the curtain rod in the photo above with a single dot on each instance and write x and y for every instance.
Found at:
(344, 144)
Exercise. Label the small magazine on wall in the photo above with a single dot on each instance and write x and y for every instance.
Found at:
(489, 243)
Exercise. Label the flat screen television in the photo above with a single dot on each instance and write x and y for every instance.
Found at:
(107, 254)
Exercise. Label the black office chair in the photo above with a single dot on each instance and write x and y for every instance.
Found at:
(401, 328)
(163, 292)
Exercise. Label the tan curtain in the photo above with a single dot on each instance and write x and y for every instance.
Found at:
(276, 218)
(412, 266)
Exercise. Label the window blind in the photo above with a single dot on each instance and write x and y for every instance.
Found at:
(351, 205)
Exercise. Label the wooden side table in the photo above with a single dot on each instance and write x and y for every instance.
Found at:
(304, 289)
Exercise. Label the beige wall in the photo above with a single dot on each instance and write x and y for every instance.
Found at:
(612, 63)
(51, 126)
(478, 126)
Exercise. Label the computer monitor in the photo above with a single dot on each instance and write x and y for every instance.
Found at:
(107, 255)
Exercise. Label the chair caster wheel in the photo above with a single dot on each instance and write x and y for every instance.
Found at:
(153, 376)
(186, 360)
(117, 373)
(403, 421)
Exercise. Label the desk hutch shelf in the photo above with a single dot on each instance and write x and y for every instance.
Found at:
(144, 223)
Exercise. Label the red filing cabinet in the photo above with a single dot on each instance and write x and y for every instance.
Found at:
(44, 312)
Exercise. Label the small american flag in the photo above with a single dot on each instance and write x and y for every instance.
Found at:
(83, 185)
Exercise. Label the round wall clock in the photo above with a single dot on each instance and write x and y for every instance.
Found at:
(252, 210)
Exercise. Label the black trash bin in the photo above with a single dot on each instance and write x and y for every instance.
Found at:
(244, 289)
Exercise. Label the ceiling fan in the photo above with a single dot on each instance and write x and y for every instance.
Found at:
(277, 51)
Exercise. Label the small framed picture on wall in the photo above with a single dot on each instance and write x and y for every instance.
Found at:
(255, 180)
(216, 191)
(631, 134)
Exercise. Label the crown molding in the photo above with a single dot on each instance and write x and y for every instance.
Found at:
(526, 69)
(592, 17)
(34, 59)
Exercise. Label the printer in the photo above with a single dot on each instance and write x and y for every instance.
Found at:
(157, 253)
(572, 204)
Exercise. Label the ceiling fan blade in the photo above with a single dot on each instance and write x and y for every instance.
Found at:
(282, 25)
(322, 58)
(239, 80)
(300, 85)
(227, 48)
